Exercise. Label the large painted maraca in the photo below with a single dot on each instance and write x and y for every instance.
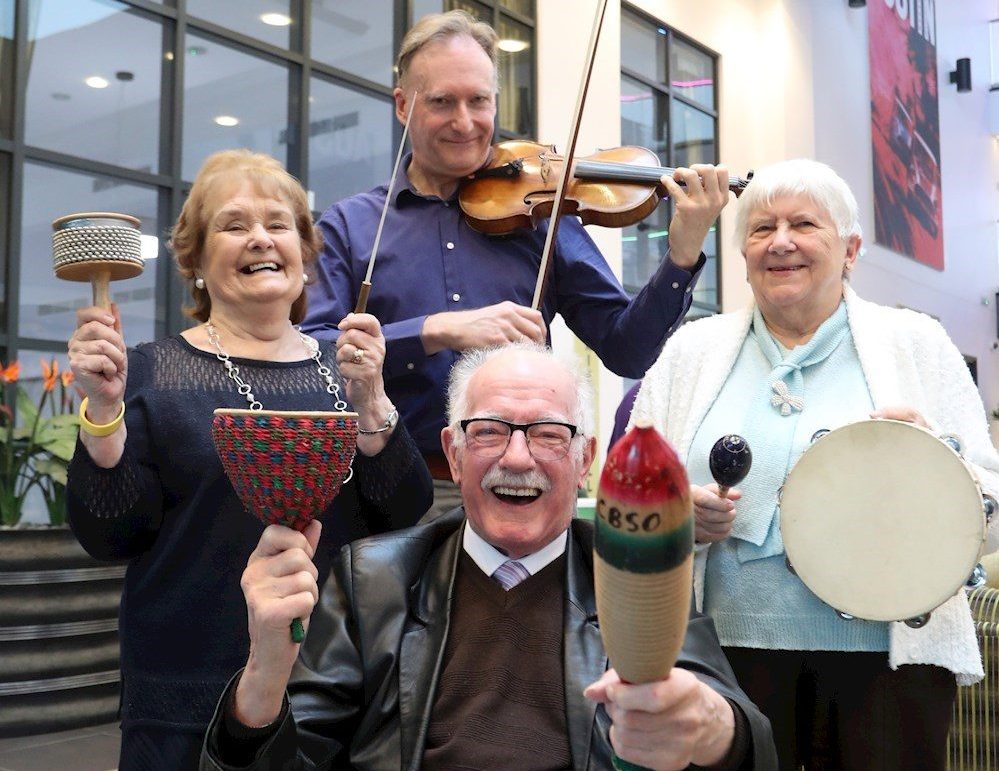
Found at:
(729, 462)
(97, 247)
(643, 557)
(286, 467)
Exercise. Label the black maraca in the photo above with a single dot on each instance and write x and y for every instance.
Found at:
(729, 461)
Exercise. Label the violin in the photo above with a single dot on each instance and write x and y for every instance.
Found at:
(612, 188)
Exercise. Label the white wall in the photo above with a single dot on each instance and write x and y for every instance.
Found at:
(793, 81)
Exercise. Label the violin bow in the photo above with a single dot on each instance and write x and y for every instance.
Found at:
(362, 297)
(570, 151)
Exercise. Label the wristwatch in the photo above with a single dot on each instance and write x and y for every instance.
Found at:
(390, 420)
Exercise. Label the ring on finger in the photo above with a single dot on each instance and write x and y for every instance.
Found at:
(358, 356)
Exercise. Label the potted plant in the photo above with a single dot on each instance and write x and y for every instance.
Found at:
(58, 606)
(36, 442)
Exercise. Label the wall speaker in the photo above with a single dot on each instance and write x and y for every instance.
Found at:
(962, 75)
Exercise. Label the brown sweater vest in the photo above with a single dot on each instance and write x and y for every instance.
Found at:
(500, 702)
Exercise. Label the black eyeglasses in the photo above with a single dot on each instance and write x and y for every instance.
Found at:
(546, 439)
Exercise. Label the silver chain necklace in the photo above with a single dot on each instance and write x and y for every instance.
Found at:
(332, 387)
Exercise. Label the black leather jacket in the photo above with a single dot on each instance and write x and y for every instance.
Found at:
(363, 688)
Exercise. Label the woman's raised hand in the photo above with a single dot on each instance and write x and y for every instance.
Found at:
(99, 362)
(360, 354)
(713, 515)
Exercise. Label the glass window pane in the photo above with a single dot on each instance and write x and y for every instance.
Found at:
(421, 8)
(692, 73)
(643, 48)
(48, 305)
(87, 96)
(350, 142)
(4, 193)
(693, 136)
(355, 36)
(643, 246)
(6, 67)
(516, 77)
(232, 99)
(267, 20)
(478, 10)
(523, 7)
(643, 118)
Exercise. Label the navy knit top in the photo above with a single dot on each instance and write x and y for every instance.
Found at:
(169, 509)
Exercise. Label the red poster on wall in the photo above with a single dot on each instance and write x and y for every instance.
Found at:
(905, 129)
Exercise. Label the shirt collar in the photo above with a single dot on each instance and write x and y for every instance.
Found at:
(404, 192)
(488, 557)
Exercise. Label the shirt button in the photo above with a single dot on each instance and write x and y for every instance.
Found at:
(449, 245)
(410, 365)
(456, 297)
(689, 288)
(676, 284)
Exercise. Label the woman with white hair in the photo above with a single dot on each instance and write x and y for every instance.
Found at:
(809, 354)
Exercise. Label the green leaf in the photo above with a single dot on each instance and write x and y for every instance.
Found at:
(26, 409)
(63, 448)
(65, 420)
(54, 468)
(48, 433)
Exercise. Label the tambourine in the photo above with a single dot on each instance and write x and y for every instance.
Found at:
(884, 521)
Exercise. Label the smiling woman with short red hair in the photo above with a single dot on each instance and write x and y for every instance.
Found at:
(146, 483)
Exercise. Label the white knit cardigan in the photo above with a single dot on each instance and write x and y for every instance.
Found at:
(907, 360)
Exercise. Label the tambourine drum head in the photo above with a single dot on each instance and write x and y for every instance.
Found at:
(882, 520)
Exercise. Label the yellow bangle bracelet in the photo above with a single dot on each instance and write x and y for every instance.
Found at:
(97, 429)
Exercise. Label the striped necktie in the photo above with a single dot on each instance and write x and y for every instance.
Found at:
(510, 573)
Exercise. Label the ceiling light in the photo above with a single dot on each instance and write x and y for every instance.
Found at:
(96, 81)
(275, 19)
(149, 247)
(512, 46)
(226, 120)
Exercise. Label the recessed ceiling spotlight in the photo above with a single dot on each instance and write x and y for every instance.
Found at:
(149, 247)
(60, 96)
(512, 46)
(96, 81)
(275, 19)
(226, 120)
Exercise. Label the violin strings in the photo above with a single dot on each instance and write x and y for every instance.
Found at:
(636, 172)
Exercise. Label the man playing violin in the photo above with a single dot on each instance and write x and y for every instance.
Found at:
(440, 287)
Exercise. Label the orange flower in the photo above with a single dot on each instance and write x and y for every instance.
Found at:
(50, 373)
(10, 373)
(67, 378)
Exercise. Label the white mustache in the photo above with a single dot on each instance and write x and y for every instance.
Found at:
(497, 477)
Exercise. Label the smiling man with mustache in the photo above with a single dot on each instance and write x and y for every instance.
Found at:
(472, 641)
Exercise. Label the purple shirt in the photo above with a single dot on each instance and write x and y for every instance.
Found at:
(430, 261)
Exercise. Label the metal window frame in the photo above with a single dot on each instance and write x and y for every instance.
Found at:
(665, 90)
(177, 23)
